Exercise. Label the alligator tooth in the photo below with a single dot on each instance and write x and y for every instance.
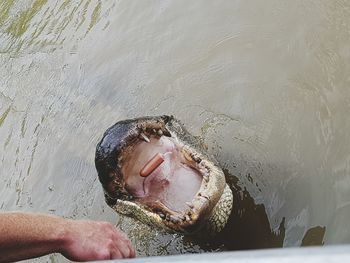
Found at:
(174, 219)
(198, 159)
(195, 157)
(183, 218)
(144, 137)
(154, 130)
(192, 155)
(205, 197)
(160, 132)
(167, 133)
(206, 177)
(201, 164)
(189, 205)
(187, 218)
(187, 154)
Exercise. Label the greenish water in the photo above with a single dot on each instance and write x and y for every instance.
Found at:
(264, 83)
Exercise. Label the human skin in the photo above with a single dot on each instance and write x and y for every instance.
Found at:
(29, 235)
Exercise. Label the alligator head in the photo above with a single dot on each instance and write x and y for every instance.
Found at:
(186, 193)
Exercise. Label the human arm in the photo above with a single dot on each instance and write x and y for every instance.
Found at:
(27, 235)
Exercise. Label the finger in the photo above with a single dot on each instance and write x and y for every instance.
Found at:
(132, 252)
(131, 249)
(121, 234)
(124, 244)
(124, 249)
(115, 254)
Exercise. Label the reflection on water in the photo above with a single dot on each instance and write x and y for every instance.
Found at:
(44, 25)
(263, 83)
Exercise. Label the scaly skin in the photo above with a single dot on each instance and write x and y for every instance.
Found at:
(210, 207)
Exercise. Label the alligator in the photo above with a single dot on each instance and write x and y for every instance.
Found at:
(185, 193)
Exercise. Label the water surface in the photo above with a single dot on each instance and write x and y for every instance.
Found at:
(264, 83)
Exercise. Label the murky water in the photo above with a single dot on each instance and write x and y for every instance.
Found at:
(265, 83)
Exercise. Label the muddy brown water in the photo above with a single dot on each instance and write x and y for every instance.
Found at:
(266, 84)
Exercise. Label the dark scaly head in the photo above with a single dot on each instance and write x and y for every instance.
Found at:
(184, 194)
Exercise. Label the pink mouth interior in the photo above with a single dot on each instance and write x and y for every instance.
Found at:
(173, 183)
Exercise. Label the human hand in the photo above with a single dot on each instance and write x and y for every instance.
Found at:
(91, 240)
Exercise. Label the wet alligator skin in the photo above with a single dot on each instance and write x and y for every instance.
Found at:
(212, 204)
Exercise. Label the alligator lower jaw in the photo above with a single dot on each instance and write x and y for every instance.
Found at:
(181, 193)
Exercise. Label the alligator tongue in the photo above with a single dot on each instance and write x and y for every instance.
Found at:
(173, 183)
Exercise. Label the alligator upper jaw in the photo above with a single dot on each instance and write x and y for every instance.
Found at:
(182, 191)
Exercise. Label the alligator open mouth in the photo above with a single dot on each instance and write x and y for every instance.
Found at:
(172, 185)
(152, 169)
